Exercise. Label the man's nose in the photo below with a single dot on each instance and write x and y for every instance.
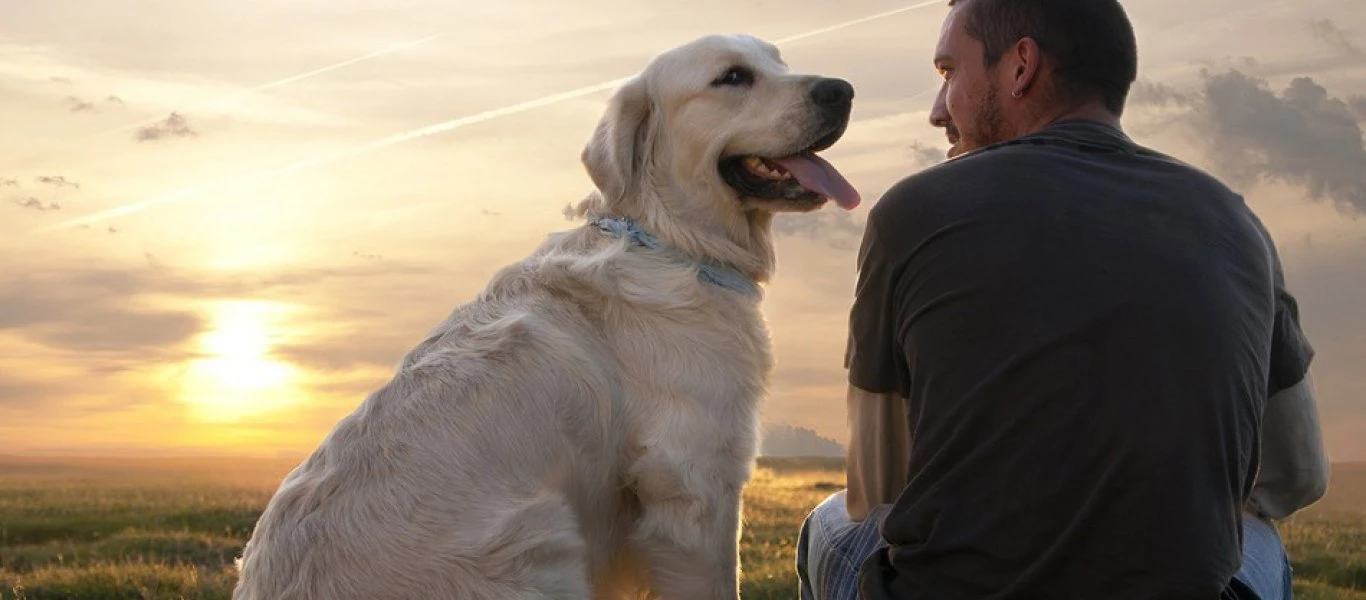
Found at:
(939, 115)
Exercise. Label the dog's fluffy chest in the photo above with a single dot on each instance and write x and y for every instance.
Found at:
(675, 338)
(716, 358)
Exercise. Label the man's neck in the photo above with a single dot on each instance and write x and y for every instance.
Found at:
(1088, 111)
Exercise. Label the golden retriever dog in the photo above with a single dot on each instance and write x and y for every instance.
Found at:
(583, 428)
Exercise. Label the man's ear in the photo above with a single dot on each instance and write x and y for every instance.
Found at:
(617, 152)
(1028, 57)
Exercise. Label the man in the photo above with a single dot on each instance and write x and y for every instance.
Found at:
(1063, 349)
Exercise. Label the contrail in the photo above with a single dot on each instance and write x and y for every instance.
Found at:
(237, 183)
(282, 82)
(859, 21)
(241, 183)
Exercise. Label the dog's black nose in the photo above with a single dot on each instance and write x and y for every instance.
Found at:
(832, 92)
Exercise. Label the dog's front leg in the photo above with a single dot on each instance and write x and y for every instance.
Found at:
(689, 527)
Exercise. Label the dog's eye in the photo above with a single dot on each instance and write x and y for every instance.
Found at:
(735, 76)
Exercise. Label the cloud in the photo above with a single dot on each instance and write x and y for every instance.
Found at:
(838, 230)
(365, 256)
(1358, 104)
(173, 126)
(925, 156)
(61, 80)
(92, 311)
(1149, 93)
(340, 354)
(16, 393)
(1327, 31)
(1302, 136)
(86, 325)
(78, 105)
(8, 182)
(32, 203)
(23, 392)
(58, 181)
(107, 336)
(113, 307)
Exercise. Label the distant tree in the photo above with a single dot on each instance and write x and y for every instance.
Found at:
(785, 440)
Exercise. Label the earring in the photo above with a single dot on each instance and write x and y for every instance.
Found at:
(1017, 94)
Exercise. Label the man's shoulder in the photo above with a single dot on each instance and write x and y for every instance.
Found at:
(953, 186)
(933, 184)
(1019, 166)
(1008, 186)
(982, 171)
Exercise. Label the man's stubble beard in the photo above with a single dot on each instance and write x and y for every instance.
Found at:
(987, 126)
(990, 123)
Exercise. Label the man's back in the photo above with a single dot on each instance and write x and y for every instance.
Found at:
(1083, 329)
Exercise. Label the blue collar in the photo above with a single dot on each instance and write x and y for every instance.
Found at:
(708, 271)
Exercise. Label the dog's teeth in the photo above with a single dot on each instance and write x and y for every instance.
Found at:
(760, 167)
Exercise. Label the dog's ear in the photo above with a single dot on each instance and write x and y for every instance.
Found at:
(616, 154)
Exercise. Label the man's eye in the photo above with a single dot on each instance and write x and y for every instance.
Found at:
(735, 76)
(944, 72)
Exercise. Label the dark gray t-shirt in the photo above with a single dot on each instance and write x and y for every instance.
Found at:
(1086, 332)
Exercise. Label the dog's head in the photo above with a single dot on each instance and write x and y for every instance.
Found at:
(720, 126)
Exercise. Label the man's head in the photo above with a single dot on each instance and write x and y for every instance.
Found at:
(1011, 67)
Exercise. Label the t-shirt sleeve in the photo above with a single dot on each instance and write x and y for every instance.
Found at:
(874, 356)
(1291, 352)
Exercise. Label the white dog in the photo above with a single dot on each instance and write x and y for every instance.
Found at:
(584, 427)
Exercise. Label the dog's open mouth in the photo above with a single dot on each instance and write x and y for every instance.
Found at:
(802, 176)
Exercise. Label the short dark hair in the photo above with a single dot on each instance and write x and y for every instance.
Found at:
(1091, 42)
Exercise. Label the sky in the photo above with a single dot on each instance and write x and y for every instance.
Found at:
(223, 224)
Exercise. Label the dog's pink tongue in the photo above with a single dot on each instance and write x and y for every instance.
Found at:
(819, 176)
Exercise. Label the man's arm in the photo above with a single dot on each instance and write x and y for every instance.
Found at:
(1294, 465)
(1293, 469)
(878, 456)
(879, 450)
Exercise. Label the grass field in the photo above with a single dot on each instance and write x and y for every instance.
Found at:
(168, 529)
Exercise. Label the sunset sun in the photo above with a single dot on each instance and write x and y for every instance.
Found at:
(235, 377)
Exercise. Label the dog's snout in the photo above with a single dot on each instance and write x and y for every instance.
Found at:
(832, 92)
